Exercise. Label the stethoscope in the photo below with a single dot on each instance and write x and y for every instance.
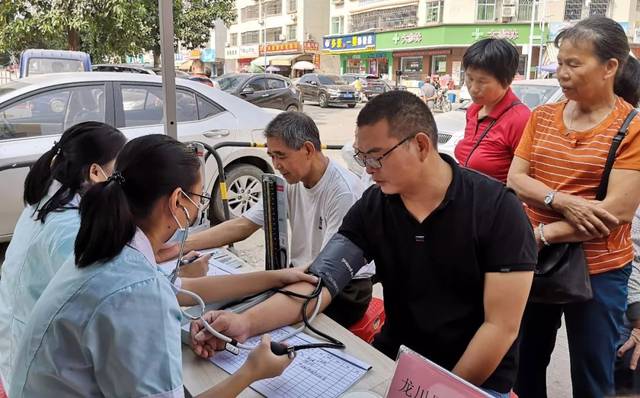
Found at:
(232, 345)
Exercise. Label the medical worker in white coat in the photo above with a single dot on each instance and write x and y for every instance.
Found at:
(44, 234)
(108, 324)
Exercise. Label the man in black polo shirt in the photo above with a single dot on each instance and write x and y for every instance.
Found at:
(453, 248)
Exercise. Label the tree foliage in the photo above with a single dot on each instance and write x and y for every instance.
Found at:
(107, 29)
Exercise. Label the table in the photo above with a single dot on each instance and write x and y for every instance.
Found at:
(200, 375)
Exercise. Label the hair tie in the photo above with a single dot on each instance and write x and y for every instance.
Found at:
(116, 177)
(56, 148)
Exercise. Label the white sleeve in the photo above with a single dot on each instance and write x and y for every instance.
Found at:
(255, 214)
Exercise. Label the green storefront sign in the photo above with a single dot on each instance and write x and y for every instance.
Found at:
(454, 36)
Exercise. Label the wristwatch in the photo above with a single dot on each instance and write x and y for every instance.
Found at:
(548, 199)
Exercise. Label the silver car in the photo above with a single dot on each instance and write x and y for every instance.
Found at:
(35, 111)
(451, 124)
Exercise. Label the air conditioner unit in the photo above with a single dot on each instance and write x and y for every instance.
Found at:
(508, 2)
(508, 12)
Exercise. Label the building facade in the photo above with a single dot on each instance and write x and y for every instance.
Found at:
(276, 34)
(419, 38)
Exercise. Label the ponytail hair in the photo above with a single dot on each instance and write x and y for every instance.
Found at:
(609, 40)
(68, 162)
(147, 169)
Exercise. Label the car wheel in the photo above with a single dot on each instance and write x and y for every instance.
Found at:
(322, 99)
(244, 189)
(292, 108)
(351, 105)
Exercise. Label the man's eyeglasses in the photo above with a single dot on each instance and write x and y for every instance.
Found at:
(376, 163)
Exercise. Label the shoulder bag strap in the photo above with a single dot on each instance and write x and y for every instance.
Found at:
(486, 130)
(615, 144)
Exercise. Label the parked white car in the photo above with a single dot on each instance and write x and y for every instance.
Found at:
(451, 124)
(35, 111)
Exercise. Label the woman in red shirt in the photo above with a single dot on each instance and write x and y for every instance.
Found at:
(496, 119)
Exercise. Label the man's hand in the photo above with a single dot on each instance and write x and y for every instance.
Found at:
(586, 215)
(632, 342)
(168, 252)
(263, 364)
(229, 324)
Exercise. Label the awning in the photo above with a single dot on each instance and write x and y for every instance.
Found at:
(304, 65)
(281, 60)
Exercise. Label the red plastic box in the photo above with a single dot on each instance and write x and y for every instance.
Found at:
(370, 324)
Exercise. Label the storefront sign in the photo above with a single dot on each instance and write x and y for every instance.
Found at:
(195, 54)
(439, 52)
(310, 46)
(509, 34)
(280, 48)
(208, 55)
(349, 42)
(407, 38)
(248, 51)
(443, 36)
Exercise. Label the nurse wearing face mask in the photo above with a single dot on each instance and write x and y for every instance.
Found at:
(108, 324)
(44, 235)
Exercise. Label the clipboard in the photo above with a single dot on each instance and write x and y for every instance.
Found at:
(417, 377)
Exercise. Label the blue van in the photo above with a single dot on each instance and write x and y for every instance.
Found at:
(38, 62)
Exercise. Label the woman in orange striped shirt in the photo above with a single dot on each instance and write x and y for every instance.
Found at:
(556, 171)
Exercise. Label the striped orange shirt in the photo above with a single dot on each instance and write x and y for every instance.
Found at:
(572, 162)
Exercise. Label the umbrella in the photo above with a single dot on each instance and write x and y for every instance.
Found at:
(272, 68)
(304, 65)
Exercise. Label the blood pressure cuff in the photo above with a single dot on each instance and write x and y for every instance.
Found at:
(337, 263)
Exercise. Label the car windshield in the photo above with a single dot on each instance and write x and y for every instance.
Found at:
(39, 66)
(11, 86)
(230, 83)
(330, 79)
(534, 94)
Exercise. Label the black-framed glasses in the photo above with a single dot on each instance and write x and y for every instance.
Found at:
(376, 163)
(205, 200)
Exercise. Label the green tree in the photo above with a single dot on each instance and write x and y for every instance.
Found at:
(106, 29)
(192, 20)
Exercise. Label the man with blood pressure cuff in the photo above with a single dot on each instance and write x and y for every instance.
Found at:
(453, 249)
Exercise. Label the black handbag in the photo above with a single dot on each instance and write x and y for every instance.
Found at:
(562, 274)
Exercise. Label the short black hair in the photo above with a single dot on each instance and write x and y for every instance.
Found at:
(405, 112)
(294, 128)
(497, 57)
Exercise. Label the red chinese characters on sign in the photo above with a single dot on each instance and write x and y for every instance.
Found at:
(311, 46)
(277, 48)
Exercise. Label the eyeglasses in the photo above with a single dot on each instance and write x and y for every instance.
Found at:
(205, 200)
(376, 163)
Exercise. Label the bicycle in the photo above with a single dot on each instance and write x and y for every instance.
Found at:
(441, 102)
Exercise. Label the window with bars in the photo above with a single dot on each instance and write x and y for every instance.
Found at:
(292, 6)
(273, 34)
(486, 10)
(251, 37)
(249, 13)
(434, 11)
(598, 7)
(393, 18)
(233, 39)
(292, 31)
(337, 25)
(272, 8)
(573, 9)
(525, 9)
